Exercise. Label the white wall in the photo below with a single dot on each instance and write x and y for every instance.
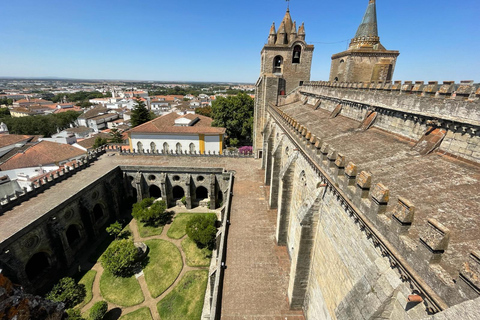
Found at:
(210, 143)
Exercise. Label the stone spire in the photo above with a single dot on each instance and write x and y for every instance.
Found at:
(293, 32)
(273, 34)
(301, 32)
(287, 22)
(281, 34)
(367, 33)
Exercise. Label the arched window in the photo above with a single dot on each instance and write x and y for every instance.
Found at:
(179, 147)
(153, 147)
(336, 79)
(97, 212)
(165, 147)
(139, 147)
(277, 64)
(192, 147)
(297, 53)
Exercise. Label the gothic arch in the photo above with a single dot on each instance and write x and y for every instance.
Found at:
(139, 147)
(178, 147)
(192, 147)
(155, 191)
(178, 193)
(73, 235)
(165, 147)
(37, 265)
(297, 53)
(201, 193)
(277, 64)
(153, 147)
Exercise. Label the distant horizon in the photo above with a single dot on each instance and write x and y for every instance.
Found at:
(215, 40)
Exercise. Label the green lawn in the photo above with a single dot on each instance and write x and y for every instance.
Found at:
(140, 314)
(177, 229)
(186, 300)
(194, 256)
(125, 292)
(87, 281)
(148, 231)
(164, 266)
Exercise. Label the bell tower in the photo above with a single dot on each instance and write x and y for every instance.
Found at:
(365, 59)
(286, 62)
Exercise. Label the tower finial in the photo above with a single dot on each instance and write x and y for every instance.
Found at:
(288, 5)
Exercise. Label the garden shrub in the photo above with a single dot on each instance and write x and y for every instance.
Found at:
(151, 213)
(119, 258)
(98, 311)
(68, 292)
(201, 229)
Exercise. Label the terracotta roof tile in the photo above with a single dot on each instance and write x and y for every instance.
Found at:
(9, 139)
(166, 124)
(43, 153)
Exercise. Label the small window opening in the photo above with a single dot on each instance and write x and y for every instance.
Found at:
(297, 52)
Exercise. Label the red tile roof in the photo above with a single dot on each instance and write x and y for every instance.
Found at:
(43, 153)
(166, 124)
(10, 139)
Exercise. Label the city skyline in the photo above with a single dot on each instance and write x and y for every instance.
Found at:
(221, 42)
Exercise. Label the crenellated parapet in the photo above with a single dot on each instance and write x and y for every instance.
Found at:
(415, 247)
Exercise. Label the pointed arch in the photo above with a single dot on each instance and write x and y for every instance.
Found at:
(277, 64)
(153, 147)
(139, 146)
(178, 147)
(165, 147)
(297, 53)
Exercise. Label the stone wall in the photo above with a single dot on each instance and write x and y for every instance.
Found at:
(346, 262)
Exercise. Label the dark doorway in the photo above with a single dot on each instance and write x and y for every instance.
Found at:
(201, 193)
(178, 193)
(155, 191)
(36, 265)
(73, 235)
(219, 198)
(97, 212)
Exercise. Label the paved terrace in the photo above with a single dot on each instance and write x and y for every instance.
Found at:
(440, 187)
(256, 277)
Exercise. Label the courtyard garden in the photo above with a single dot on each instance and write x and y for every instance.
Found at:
(170, 280)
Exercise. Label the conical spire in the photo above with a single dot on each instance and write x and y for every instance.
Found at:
(301, 31)
(272, 29)
(293, 34)
(368, 27)
(287, 22)
(281, 34)
(367, 33)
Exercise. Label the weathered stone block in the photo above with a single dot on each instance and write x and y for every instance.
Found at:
(470, 272)
(436, 236)
(404, 211)
(351, 169)
(380, 194)
(364, 180)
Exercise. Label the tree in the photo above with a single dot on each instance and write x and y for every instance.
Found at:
(68, 292)
(115, 229)
(201, 229)
(98, 311)
(235, 113)
(40, 125)
(99, 142)
(151, 213)
(116, 136)
(119, 258)
(204, 111)
(140, 114)
(74, 314)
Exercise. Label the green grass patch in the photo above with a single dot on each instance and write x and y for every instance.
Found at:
(177, 229)
(194, 256)
(125, 292)
(140, 314)
(148, 231)
(186, 300)
(164, 266)
(87, 281)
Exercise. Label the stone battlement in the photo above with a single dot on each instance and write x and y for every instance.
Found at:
(465, 90)
(388, 222)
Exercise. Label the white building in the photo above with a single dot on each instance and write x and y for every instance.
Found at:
(177, 133)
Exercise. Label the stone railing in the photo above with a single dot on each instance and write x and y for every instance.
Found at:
(367, 204)
(212, 306)
(226, 153)
(40, 185)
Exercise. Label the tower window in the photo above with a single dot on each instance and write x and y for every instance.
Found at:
(277, 64)
(297, 52)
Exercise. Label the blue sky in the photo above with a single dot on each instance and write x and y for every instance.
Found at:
(215, 40)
